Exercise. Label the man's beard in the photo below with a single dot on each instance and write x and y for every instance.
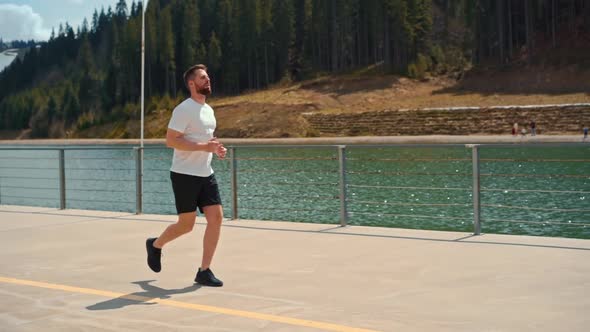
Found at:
(205, 91)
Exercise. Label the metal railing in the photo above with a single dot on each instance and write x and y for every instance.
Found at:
(360, 188)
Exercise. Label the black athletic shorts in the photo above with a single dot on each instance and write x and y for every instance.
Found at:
(191, 191)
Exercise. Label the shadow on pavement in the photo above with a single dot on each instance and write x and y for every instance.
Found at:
(150, 292)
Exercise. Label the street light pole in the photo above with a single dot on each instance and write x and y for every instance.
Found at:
(139, 166)
(143, 7)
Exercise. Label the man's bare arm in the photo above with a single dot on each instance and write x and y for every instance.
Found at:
(176, 140)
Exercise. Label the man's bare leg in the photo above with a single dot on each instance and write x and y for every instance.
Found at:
(185, 224)
(214, 216)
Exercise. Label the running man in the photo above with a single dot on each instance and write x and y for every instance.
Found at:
(190, 134)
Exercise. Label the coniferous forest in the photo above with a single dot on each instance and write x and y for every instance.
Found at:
(90, 74)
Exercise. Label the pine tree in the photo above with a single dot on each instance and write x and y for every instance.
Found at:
(134, 12)
(282, 16)
(87, 90)
(94, 26)
(226, 18)
(247, 38)
(265, 31)
(166, 52)
(121, 10)
(190, 36)
(151, 46)
(214, 54)
(296, 61)
(52, 112)
(84, 30)
(39, 124)
(71, 105)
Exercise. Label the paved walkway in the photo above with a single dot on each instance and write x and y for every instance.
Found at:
(78, 270)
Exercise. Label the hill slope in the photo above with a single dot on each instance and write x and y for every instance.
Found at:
(281, 111)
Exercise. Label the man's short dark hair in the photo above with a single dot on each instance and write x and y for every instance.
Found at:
(189, 74)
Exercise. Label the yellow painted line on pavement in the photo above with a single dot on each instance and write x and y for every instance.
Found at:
(192, 306)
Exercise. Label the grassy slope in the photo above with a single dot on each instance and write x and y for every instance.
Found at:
(275, 112)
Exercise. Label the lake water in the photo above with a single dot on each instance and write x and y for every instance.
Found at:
(524, 190)
(6, 58)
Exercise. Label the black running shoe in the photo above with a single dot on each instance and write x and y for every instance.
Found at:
(207, 278)
(153, 255)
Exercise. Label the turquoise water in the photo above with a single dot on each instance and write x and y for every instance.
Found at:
(6, 58)
(524, 190)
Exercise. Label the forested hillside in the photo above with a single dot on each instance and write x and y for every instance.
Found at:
(89, 75)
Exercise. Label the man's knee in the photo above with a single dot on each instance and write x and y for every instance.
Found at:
(186, 227)
(213, 214)
(186, 222)
(215, 220)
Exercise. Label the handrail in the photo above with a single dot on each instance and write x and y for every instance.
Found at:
(341, 177)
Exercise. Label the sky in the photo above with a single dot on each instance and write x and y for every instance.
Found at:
(33, 19)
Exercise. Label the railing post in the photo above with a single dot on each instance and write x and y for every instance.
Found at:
(138, 180)
(62, 180)
(342, 166)
(234, 183)
(476, 189)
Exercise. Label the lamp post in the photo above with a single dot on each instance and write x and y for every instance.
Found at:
(143, 7)
(139, 165)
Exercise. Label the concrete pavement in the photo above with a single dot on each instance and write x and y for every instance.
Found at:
(73, 270)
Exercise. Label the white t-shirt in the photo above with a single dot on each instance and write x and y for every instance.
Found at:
(197, 122)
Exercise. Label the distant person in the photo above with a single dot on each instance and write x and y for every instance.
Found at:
(533, 128)
(523, 132)
(190, 133)
(515, 129)
(585, 132)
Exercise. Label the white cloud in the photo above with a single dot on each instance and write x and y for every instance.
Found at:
(20, 22)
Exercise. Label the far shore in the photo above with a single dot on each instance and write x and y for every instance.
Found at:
(12, 51)
(356, 140)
